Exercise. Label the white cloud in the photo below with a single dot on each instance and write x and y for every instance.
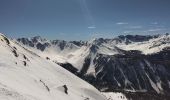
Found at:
(159, 26)
(91, 27)
(61, 34)
(154, 23)
(135, 27)
(154, 30)
(122, 23)
(126, 32)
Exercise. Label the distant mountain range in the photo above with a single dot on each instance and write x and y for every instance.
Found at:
(25, 75)
(128, 64)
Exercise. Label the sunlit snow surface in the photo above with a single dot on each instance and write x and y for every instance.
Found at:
(115, 96)
(27, 76)
(76, 55)
(148, 47)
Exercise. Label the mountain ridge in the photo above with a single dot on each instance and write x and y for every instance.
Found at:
(123, 63)
(24, 75)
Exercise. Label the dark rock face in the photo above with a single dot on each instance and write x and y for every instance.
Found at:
(65, 89)
(127, 39)
(85, 66)
(15, 53)
(130, 71)
(25, 41)
(6, 39)
(133, 71)
(34, 42)
(137, 38)
(60, 43)
(69, 67)
(42, 46)
(145, 96)
(78, 43)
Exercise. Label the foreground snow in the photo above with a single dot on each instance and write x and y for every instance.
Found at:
(24, 75)
(115, 96)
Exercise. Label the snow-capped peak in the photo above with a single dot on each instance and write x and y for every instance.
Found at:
(102, 58)
(153, 45)
(26, 76)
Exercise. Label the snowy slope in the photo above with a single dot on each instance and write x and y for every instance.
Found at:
(113, 96)
(86, 54)
(57, 50)
(126, 63)
(148, 47)
(71, 53)
(26, 76)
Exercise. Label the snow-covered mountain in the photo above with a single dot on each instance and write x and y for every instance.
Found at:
(24, 75)
(126, 63)
(153, 45)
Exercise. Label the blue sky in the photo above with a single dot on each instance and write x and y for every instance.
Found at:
(83, 19)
